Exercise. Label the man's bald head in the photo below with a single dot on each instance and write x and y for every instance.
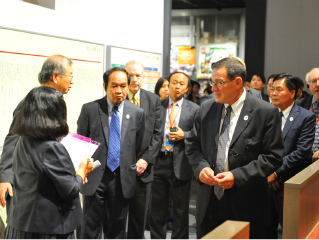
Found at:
(313, 77)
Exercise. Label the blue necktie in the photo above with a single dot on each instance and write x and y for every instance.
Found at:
(315, 146)
(221, 152)
(113, 156)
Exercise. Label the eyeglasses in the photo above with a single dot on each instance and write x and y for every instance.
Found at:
(313, 81)
(69, 76)
(219, 84)
(137, 76)
(269, 85)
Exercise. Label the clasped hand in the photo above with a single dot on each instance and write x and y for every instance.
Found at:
(224, 179)
(273, 181)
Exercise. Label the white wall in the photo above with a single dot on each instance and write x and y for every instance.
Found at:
(125, 23)
(292, 36)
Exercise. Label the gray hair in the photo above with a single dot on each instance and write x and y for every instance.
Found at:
(53, 64)
(307, 78)
(134, 62)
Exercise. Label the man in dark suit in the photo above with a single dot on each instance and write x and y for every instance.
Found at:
(312, 103)
(172, 169)
(270, 81)
(152, 142)
(258, 82)
(235, 144)
(56, 73)
(306, 100)
(298, 126)
(119, 126)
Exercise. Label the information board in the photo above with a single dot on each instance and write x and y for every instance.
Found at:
(21, 57)
(152, 62)
(209, 53)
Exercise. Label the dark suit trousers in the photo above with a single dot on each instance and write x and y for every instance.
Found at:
(106, 207)
(276, 211)
(220, 211)
(138, 210)
(164, 179)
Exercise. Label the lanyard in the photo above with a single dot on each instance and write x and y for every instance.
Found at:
(312, 111)
(169, 114)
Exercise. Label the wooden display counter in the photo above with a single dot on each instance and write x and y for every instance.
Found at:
(230, 230)
(301, 203)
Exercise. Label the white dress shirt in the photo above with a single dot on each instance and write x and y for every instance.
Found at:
(285, 113)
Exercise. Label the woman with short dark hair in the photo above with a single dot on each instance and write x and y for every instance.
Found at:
(194, 94)
(161, 88)
(45, 202)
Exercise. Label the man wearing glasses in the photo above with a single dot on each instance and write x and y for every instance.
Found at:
(250, 90)
(56, 73)
(312, 104)
(152, 142)
(235, 144)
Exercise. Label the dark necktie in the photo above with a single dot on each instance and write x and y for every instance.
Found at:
(315, 146)
(221, 152)
(281, 115)
(113, 156)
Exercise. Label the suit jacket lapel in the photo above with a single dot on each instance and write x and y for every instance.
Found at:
(292, 115)
(104, 115)
(184, 112)
(143, 100)
(244, 118)
(125, 120)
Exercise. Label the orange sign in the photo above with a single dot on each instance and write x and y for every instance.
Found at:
(186, 55)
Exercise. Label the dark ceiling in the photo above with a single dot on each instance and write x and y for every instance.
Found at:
(204, 4)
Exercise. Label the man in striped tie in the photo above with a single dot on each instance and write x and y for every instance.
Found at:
(312, 103)
(235, 144)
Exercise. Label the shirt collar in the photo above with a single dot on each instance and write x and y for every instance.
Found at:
(179, 102)
(110, 105)
(130, 95)
(236, 106)
(314, 102)
(286, 112)
(59, 93)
